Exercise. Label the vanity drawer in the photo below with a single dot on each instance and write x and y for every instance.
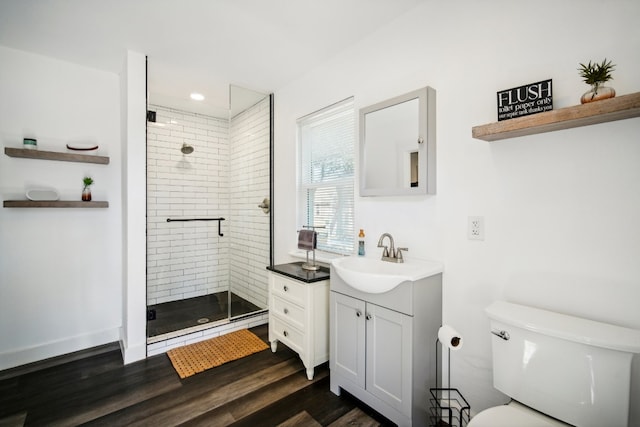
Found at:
(288, 311)
(288, 334)
(289, 289)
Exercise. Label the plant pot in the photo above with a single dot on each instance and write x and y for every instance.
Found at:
(86, 194)
(597, 93)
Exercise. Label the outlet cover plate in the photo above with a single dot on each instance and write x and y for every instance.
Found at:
(475, 228)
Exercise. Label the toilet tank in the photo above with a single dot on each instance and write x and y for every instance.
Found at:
(573, 369)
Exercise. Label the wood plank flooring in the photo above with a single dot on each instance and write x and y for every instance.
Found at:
(264, 389)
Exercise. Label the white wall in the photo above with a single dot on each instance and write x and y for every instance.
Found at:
(133, 103)
(560, 208)
(60, 269)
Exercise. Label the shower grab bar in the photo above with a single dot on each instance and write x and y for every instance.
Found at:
(199, 219)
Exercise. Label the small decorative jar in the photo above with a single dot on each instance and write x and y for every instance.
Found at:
(598, 91)
(30, 143)
(86, 194)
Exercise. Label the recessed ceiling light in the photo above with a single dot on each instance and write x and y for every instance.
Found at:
(197, 96)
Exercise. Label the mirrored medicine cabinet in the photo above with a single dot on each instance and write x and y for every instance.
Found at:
(398, 145)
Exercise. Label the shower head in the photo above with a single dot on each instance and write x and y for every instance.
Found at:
(186, 149)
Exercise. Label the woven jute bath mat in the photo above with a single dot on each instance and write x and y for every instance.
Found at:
(203, 355)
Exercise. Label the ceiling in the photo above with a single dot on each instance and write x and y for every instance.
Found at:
(197, 45)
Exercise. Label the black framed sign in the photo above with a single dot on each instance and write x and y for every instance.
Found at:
(525, 100)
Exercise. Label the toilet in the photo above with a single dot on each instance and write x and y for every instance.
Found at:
(558, 369)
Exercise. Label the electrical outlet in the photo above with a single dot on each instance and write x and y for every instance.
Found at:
(475, 228)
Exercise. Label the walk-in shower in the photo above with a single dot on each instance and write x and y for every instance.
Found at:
(208, 239)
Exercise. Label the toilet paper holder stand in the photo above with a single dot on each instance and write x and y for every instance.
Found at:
(448, 403)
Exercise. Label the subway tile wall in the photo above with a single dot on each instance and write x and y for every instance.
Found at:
(186, 259)
(227, 175)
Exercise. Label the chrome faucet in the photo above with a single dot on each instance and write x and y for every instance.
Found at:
(385, 252)
(390, 254)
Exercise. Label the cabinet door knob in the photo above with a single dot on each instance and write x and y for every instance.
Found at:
(285, 333)
(358, 313)
(286, 289)
(286, 311)
(368, 316)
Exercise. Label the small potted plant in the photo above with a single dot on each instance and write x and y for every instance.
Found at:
(86, 190)
(596, 74)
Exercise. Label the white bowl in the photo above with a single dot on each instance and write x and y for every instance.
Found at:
(375, 276)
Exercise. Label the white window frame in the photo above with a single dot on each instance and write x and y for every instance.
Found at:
(336, 234)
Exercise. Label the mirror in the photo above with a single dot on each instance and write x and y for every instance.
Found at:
(398, 145)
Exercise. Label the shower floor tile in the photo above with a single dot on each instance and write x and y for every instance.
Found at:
(176, 315)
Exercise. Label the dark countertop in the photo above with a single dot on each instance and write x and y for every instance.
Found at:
(295, 271)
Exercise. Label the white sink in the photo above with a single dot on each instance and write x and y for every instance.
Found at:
(375, 276)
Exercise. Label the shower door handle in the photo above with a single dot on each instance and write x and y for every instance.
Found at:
(265, 205)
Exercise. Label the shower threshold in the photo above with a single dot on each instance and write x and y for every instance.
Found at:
(188, 315)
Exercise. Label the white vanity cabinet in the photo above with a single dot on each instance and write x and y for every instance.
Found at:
(299, 318)
(383, 346)
(372, 348)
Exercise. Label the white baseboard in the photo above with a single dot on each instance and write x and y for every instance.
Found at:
(23, 356)
(133, 353)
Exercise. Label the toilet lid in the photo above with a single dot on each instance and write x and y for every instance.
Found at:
(513, 414)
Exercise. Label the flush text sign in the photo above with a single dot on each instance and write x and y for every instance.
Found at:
(524, 100)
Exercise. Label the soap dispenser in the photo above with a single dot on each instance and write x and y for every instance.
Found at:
(361, 243)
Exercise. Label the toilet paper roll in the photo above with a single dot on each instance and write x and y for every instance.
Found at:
(450, 338)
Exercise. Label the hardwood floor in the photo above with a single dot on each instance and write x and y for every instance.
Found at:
(264, 389)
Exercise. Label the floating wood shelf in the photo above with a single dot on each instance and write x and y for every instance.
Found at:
(54, 155)
(607, 110)
(54, 204)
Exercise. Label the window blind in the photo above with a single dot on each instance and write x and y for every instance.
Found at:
(326, 175)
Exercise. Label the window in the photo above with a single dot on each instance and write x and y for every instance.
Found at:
(325, 181)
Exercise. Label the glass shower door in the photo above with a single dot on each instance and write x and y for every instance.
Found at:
(249, 222)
